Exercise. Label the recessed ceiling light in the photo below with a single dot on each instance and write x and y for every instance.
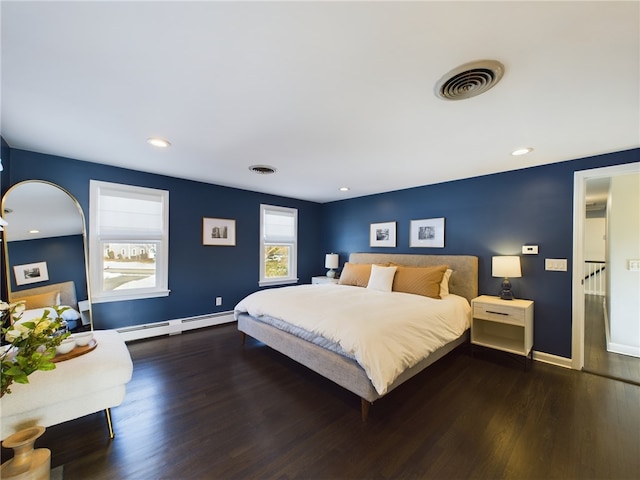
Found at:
(34, 231)
(522, 151)
(158, 142)
(344, 189)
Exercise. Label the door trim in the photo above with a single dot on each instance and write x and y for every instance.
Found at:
(579, 216)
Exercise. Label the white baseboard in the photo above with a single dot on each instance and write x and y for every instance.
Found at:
(552, 359)
(174, 327)
(622, 349)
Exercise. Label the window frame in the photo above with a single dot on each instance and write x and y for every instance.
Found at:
(291, 242)
(98, 241)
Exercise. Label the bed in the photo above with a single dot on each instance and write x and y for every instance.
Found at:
(344, 366)
(39, 299)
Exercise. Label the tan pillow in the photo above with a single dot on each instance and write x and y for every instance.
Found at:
(42, 300)
(423, 281)
(356, 274)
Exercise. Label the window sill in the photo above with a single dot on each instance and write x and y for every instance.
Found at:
(280, 281)
(123, 296)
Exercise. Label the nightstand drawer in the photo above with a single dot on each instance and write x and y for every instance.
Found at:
(499, 313)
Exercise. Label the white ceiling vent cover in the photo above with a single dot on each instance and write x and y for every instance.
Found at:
(469, 80)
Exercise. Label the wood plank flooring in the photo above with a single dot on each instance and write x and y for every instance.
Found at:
(200, 406)
(597, 359)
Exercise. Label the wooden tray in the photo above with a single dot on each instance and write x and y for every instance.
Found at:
(76, 352)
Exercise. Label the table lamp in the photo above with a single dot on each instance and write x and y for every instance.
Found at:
(331, 262)
(506, 266)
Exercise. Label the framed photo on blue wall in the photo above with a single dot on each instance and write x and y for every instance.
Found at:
(219, 231)
(428, 232)
(382, 234)
(31, 273)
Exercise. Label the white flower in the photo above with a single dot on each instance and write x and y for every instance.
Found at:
(4, 306)
(18, 331)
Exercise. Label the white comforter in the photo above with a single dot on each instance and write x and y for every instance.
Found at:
(386, 332)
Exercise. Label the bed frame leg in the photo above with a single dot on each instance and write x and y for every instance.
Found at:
(107, 412)
(364, 409)
(243, 337)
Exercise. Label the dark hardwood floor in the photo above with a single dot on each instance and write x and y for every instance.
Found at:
(200, 406)
(597, 359)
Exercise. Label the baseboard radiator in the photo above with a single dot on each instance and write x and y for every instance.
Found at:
(174, 327)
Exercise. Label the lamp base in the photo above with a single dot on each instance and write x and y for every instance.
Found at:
(331, 273)
(506, 293)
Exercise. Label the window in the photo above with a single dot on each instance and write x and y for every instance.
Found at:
(129, 240)
(278, 245)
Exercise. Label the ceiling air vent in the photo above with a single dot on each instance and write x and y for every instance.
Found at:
(469, 80)
(262, 169)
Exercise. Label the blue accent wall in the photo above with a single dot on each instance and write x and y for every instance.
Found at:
(197, 273)
(486, 216)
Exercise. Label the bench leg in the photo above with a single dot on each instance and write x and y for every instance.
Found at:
(107, 412)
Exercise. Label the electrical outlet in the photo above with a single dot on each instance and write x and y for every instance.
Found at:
(218, 301)
(530, 249)
(555, 264)
(634, 265)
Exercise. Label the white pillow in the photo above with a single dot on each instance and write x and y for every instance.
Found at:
(36, 314)
(444, 285)
(381, 278)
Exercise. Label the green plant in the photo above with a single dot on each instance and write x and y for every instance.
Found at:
(28, 346)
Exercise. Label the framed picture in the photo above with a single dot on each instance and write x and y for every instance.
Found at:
(427, 233)
(383, 234)
(31, 273)
(219, 231)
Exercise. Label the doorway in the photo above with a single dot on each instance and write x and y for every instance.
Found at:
(590, 332)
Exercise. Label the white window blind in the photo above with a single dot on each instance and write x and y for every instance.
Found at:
(279, 226)
(130, 213)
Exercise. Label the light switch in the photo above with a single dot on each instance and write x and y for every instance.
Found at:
(555, 264)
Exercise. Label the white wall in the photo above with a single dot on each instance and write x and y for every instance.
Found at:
(624, 244)
(594, 239)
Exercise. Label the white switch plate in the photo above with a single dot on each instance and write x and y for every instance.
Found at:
(218, 301)
(634, 265)
(555, 264)
(530, 249)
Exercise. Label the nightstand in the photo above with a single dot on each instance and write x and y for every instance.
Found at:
(505, 325)
(319, 280)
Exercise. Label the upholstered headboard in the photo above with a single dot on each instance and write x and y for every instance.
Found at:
(463, 281)
(67, 293)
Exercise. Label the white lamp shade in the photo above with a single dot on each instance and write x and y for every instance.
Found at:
(506, 266)
(331, 260)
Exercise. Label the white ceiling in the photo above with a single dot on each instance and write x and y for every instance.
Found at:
(330, 93)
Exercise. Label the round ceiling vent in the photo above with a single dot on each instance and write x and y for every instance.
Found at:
(262, 169)
(469, 80)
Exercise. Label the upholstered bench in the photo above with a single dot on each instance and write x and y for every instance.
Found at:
(77, 387)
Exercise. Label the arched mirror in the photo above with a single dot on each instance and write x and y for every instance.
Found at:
(45, 247)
